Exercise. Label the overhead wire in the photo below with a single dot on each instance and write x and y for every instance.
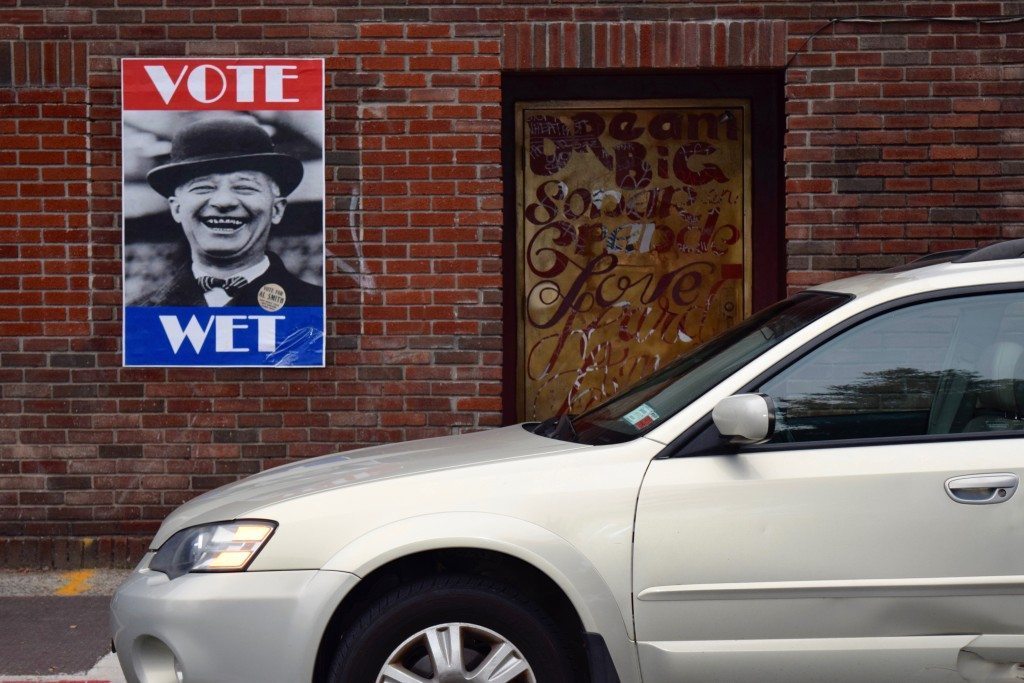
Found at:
(831, 23)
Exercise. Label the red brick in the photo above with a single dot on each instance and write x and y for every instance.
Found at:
(405, 80)
(405, 47)
(360, 47)
(428, 30)
(418, 63)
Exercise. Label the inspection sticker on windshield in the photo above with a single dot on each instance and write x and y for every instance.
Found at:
(641, 418)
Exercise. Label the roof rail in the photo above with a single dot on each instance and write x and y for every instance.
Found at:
(930, 260)
(994, 252)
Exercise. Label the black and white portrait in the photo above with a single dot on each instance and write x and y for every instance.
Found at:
(219, 204)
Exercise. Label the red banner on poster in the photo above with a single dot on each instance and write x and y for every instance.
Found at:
(223, 84)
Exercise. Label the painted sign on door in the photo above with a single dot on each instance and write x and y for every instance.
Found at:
(634, 241)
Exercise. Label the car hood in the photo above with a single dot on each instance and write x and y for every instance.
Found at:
(353, 468)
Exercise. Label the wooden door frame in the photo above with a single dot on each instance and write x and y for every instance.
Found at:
(763, 88)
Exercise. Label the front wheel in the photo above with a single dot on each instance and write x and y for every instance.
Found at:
(448, 629)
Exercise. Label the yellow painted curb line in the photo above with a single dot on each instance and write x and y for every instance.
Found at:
(76, 582)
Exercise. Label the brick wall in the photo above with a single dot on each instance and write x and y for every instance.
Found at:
(901, 138)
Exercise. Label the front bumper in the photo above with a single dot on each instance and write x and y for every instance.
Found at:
(219, 628)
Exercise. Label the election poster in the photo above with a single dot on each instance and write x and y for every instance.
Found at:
(223, 210)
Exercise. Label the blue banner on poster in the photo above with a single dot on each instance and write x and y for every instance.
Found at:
(234, 335)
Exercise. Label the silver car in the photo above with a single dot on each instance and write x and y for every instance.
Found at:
(825, 492)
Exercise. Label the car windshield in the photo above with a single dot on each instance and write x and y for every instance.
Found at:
(660, 396)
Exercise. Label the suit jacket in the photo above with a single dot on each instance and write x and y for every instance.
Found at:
(183, 290)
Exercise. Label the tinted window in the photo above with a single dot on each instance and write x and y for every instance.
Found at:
(943, 367)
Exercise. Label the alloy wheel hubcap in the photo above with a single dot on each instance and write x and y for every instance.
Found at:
(456, 652)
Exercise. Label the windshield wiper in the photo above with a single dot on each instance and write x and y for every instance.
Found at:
(558, 427)
(564, 429)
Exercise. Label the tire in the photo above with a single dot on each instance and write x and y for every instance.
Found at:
(499, 628)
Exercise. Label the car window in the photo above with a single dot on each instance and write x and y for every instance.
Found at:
(657, 398)
(953, 366)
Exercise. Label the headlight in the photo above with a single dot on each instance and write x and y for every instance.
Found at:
(223, 547)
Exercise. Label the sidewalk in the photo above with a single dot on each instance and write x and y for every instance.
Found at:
(54, 626)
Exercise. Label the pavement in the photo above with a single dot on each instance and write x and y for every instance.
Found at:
(54, 626)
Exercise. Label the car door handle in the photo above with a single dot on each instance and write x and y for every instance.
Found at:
(982, 489)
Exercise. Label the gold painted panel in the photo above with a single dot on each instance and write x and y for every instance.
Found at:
(633, 241)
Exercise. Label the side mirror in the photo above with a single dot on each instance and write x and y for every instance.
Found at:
(747, 418)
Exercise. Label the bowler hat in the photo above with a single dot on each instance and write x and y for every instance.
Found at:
(224, 145)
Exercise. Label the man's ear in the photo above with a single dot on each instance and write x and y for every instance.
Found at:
(172, 202)
(277, 211)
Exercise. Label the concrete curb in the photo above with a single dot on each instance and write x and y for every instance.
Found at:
(107, 670)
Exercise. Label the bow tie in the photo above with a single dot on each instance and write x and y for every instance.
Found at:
(233, 285)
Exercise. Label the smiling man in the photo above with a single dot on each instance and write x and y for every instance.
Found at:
(227, 187)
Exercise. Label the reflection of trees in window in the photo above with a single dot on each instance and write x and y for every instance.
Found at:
(891, 390)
